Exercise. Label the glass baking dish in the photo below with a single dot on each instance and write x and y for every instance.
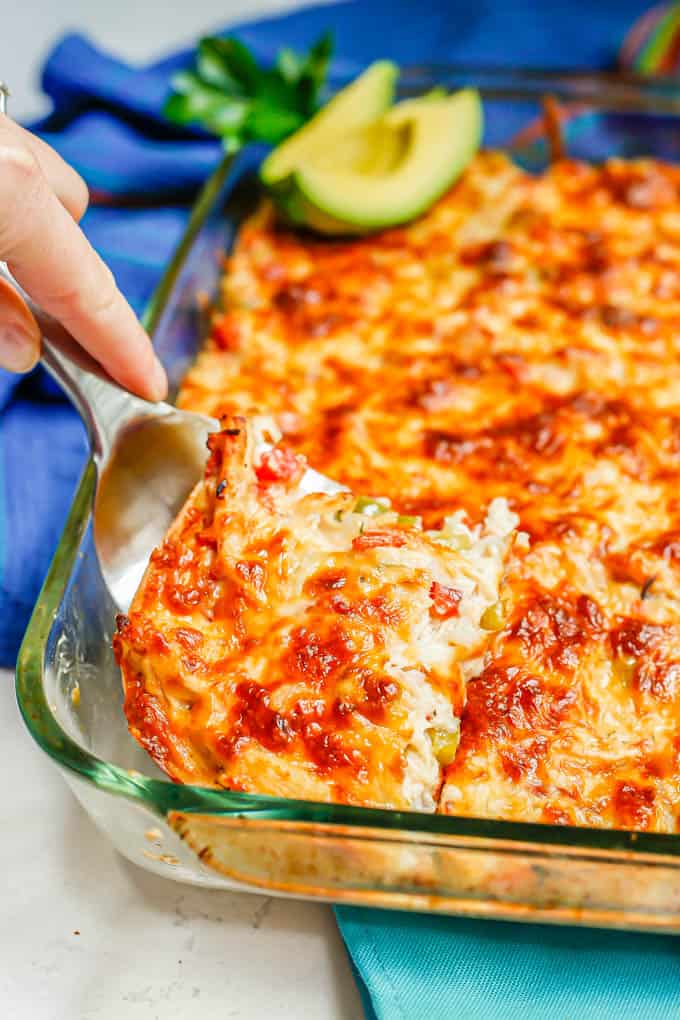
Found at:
(69, 689)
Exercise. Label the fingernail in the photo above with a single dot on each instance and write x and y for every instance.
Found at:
(158, 383)
(18, 350)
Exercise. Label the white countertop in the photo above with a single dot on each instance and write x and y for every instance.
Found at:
(83, 934)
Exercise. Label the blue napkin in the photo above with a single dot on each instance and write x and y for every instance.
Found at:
(107, 122)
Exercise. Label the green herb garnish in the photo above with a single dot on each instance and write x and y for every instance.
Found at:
(231, 96)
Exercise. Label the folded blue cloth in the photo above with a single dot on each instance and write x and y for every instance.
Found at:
(107, 122)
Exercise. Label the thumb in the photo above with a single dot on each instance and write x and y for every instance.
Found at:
(19, 332)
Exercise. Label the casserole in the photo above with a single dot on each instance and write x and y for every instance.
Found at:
(282, 642)
(69, 688)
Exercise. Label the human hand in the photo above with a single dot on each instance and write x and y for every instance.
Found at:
(42, 199)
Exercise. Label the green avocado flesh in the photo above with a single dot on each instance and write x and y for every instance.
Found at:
(383, 172)
(361, 102)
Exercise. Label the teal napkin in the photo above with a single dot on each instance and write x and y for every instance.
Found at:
(412, 966)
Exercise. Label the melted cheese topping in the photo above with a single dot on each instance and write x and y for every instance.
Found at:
(520, 340)
(288, 644)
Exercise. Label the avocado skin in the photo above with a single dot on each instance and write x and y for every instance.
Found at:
(296, 211)
(299, 208)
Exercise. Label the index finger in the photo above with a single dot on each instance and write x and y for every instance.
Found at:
(53, 261)
(69, 186)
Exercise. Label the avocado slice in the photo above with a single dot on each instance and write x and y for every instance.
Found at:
(386, 172)
(361, 102)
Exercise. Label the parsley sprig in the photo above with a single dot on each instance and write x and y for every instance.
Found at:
(230, 95)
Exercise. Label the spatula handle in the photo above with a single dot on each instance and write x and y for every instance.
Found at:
(102, 403)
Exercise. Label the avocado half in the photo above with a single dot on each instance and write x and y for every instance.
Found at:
(381, 173)
(361, 102)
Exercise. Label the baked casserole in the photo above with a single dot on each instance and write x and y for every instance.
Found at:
(518, 343)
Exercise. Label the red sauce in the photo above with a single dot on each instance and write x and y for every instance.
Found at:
(668, 546)
(378, 693)
(636, 638)
(553, 627)
(149, 723)
(326, 581)
(644, 188)
(309, 724)
(377, 608)
(317, 656)
(656, 674)
(633, 805)
(522, 761)
(659, 679)
(507, 702)
(181, 599)
(188, 637)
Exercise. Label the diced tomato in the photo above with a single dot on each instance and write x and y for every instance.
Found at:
(280, 465)
(374, 539)
(445, 600)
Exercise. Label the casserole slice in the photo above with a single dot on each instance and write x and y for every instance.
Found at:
(311, 646)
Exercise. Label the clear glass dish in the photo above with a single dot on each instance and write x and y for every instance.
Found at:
(69, 689)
